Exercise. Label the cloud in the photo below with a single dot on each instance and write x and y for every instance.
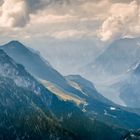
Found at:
(16, 13)
(98, 10)
(13, 13)
(68, 34)
(50, 18)
(63, 19)
(124, 20)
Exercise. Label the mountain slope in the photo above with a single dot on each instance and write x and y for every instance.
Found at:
(24, 106)
(36, 65)
(129, 88)
(32, 61)
(115, 60)
(93, 106)
(87, 88)
(111, 71)
(100, 108)
(29, 111)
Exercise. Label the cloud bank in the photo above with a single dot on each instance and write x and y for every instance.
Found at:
(70, 19)
(16, 13)
(123, 21)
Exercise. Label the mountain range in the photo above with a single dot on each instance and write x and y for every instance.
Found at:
(116, 60)
(30, 111)
(115, 72)
(129, 87)
(40, 103)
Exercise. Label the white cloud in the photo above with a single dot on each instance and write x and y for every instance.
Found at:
(13, 13)
(16, 13)
(75, 34)
(43, 17)
(98, 10)
(124, 20)
(63, 19)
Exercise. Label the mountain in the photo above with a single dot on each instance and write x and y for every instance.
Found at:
(126, 87)
(115, 60)
(99, 107)
(64, 89)
(110, 71)
(87, 89)
(30, 111)
(32, 61)
(73, 94)
(24, 105)
(36, 65)
(42, 70)
(129, 87)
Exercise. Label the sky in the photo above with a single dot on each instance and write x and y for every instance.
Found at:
(68, 32)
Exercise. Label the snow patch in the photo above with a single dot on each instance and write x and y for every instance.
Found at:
(112, 108)
(135, 66)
